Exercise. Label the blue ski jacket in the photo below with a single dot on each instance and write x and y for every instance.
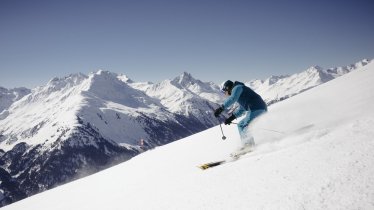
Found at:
(247, 99)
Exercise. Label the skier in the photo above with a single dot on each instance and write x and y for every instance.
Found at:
(250, 103)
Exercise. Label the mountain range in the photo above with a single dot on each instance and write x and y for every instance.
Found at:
(80, 124)
(278, 88)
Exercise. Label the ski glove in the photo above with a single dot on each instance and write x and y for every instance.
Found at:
(218, 111)
(230, 119)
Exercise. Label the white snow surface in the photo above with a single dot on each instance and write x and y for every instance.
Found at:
(316, 153)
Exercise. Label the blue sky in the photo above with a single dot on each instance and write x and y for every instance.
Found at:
(155, 40)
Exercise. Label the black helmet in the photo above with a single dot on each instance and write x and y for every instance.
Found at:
(227, 86)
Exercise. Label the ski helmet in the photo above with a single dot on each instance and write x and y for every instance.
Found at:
(227, 86)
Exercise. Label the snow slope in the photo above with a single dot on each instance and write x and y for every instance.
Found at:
(320, 157)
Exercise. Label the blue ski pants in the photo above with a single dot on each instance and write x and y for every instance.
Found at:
(245, 136)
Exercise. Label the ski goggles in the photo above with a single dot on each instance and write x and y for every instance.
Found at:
(224, 89)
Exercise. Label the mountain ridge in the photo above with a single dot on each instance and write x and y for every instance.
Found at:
(278, 88)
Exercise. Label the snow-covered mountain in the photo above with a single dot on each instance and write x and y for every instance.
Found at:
(185, 95)
(278, 88)
(320, 157)
(79, 124)
(8, 96)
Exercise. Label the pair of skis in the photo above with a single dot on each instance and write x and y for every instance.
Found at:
(221, 162)
(211, 164)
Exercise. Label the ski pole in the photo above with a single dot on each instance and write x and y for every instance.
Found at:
(220, 125)
(223, 135)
